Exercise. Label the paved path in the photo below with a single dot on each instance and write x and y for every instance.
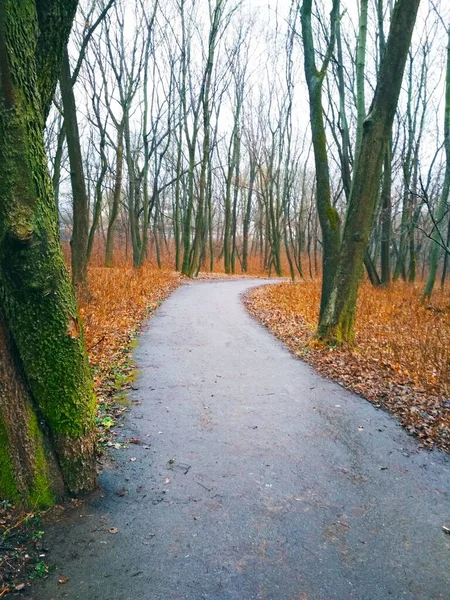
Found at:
(255, 479)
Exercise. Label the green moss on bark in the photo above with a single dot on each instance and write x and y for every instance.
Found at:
(333, 218)
(28, 481)
(36, 295)
(41, 493)
(8, 486)
(337, 321)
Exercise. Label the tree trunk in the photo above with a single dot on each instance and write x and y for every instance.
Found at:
(446, 255)
(360, 73)
(386, 216)
(328, 216)
(436, 246)
(371, 269)
(177, 200)
(80, 231)
(337, 322)
(56, 179)
(386, 186)
(98, 203)
(110, 235)
(247, 215)
(188, 213)
(227, 224)
(47, 401)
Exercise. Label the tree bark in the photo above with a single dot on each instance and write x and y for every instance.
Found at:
(434, 256)
(247, 214)
(47, 399)
(328, 215)
(80, 203)
(110, 235)
(337, 322)
(386, 215)
(360, 73)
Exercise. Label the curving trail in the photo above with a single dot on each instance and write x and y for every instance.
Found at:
(255, 479)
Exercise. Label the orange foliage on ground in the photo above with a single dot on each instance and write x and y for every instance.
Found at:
(121, 298)
(401, 357)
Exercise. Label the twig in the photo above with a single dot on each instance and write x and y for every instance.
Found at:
(96, 343)
(18, 524)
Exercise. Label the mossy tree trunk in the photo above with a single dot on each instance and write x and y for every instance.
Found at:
(47, 401)
(337, 322)
(328, 215)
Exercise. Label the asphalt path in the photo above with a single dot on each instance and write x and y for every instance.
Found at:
(255, 478)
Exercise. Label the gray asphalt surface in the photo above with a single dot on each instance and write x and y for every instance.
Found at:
(255, 479)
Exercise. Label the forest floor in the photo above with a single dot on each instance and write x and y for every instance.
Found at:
(401, 358)
(239, 473)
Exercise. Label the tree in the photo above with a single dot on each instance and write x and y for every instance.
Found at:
(328, 215)
(386, 186)
(337, 321)
(80, 231)
(440, 213)
(47, 401)
(79, 243)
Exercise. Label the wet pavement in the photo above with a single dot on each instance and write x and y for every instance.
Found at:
(255, 479)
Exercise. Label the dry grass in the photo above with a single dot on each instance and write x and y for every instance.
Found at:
(401, 358)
